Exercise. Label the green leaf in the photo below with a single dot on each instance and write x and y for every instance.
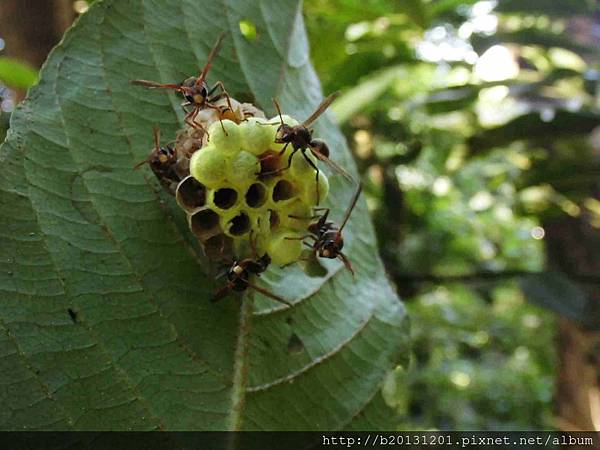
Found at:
(365, 93)
(85, 236)
(16, 74)
(555, 292)
(532, 127)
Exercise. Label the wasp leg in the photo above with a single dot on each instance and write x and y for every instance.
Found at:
(253, 245)
(291, 216)
(222, 292)
(278, 171)
(301, 238)
(224, 93)
(346, 262)
(216, 108)
(313, 165)
(189, 119)
(323, 218)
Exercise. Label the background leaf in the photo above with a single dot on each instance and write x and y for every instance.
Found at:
(533, 126)
(85, 236)
(554, 291)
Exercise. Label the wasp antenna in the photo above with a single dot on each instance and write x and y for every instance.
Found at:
(352, 205)
(213, 52)
(140, 164)
(321, 108)
(276, 103)
(252, 239)
(346, 262)
(156, 135)
(155, 85)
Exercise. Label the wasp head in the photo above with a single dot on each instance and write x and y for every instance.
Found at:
(285, 133)
(264, 262)
(332, 245)
(193, 92)
(164, 156)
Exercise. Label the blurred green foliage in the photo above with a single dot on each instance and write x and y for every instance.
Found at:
(16, 74)
(481, 361)
(472, 123)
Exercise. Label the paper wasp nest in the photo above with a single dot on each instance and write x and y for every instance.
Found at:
(235, 192)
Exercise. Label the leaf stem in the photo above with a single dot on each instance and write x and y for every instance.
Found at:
(241, 363)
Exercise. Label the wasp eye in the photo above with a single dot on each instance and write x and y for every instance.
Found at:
(168, 150)
(281, 132)
(189, 82)
(204, 92)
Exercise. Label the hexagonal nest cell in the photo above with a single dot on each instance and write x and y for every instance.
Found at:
(231, 200)
(190, 194)
(225, 198)
(204, 223)
(256, 195)
(219, 247)
(239, 225)
(283, 190)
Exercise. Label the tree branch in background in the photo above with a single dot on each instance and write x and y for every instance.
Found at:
(400, 278)
(574, 244)
(31, 28)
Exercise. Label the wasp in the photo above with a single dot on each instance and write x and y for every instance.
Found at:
(239, 272)
(195, 90)
(163, 161)
(325, 237)
(238, 278)
(300, 137)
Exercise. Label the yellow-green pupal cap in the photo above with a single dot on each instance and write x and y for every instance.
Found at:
(286, 119)
(301, 168)
(282, 249)
(257, 135)
(309, 190)
(243, 169)
(225, 136)
(262, 231)
(247, 193)
(296, 216)
(208, 166)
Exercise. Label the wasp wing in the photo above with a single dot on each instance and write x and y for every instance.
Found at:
(321, 108)
(333, 165)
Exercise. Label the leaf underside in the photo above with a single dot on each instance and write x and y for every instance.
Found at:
(105, 321)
